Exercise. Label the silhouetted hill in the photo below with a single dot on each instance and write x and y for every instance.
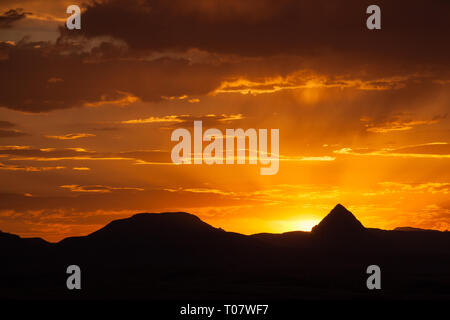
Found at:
(177, 255)
(148, 227)
(164, 243)
(287, 239)
(8, 236)
(339, 221)
(409, 229)
(13, 243)
(164, 224)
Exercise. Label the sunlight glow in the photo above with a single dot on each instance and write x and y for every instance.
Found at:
(306, 225)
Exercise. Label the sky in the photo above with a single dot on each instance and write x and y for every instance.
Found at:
(86, 115)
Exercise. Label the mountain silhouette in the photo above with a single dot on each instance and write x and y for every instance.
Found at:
(144, 224)
(411, 229)
(176, 255)
(144, 227)
(339, 221)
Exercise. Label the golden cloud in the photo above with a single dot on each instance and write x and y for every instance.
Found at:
(71, 136)
(96, 188)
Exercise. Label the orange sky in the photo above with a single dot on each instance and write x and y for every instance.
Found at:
(86, 117)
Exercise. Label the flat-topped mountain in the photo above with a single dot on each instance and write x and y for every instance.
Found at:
(142, 226)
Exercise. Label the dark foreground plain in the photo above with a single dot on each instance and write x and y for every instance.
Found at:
(177, 256)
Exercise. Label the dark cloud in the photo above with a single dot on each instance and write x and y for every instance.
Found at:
(25, 75)
(119, 199)
(411, 30)
(6, 124)
(438, 149)
(158, 49)
(11, 133)
(40, 77)
(25, 153)
(6, 130)
(9, 17)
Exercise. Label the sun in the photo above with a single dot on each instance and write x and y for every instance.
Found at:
(306, 225)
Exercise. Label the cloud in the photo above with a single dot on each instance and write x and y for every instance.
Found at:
(89, 82)
(433, 150)
(71, 136)
(398, 124)
(6, 124)
(96, 188)
(26, 153)
(14, 148)
(50, 154)
(9, 17)
(172, 118)
(275, 194)
(207, 120)
(429, 187)
(307, 79)
(183, 50)
(321, 158)
(82, 199)
(11, 133)
(124, 99)
(11, 167)
(7, 132)
(267, 27)
(203, 190)
(81, 168)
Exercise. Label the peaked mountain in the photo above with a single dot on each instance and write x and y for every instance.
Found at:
(339, 221)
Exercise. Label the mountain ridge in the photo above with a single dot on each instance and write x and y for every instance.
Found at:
(177, 255)
(338, 221)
